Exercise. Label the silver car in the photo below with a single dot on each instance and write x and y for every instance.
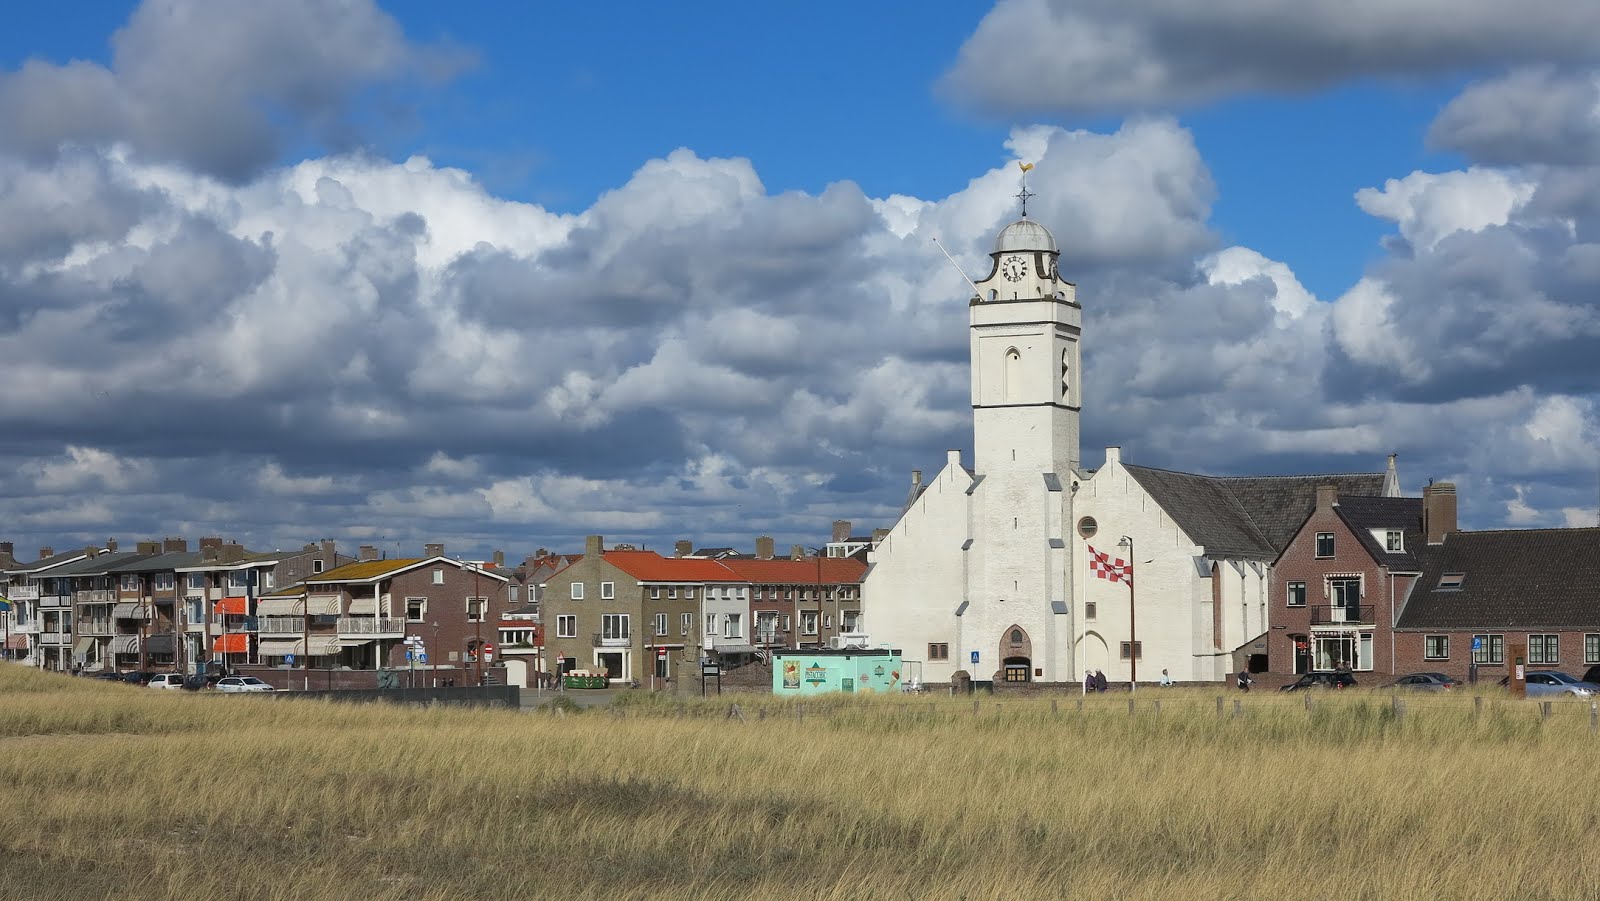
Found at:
(242, 683)
(1547, 682)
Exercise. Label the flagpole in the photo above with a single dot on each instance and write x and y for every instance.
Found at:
(1133, 635)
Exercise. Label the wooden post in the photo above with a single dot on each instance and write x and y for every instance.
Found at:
(1594, 716)
(1308, 702)
(974, 708)
(1544, 710)
(1130, 707)
(1477, 706)
(1158, 706)
(1052, 706)
(1395, 705)
(1238, 709)
(1219, 707)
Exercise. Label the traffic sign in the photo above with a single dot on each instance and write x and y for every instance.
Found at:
(1477, 642)
(974, 656)
(289, 659)
(422, 658)
(661, 652)
(408, 656)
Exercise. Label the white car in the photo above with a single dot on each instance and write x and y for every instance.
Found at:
(166, 680)
(242, 683)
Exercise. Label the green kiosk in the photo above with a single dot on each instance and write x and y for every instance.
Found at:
(818, 672)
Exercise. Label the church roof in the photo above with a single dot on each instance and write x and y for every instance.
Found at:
(1245, 516)
(1025, 234)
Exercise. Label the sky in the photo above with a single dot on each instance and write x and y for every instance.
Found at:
(500, 278)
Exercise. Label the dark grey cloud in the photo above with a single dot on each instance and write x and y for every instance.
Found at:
(1530, 115)
(1116, 56)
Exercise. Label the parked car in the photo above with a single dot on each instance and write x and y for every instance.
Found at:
(242, 683)
(136, 677)
(166, 680)
(1321, 680)
(1549, 682)
(1425, 682)
(1592, 675)
(108, 676)
(196, 682)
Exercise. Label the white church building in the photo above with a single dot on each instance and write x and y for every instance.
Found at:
(987, 571)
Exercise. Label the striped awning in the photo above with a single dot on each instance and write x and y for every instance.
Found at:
(16, 642)
(277, 647)
(124, 644)
(82, 646)
(233, 606)
(323, 604)
(363, 606)
(278, 606)
(324, 645)
(321, 646)
(128, 610)
(354, 642)
(232, 643)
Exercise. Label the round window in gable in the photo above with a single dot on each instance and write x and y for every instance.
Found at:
(1087, 527)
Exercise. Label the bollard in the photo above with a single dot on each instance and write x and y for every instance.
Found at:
(1238, 709)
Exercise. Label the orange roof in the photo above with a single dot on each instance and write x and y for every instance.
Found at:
(649, 566)
(835, 570)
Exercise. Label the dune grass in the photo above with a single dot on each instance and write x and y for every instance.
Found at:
(126, 792)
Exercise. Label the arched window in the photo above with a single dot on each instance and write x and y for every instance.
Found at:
(1016, 636)
(1013, 376)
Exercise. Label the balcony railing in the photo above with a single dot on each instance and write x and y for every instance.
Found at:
(368, 625)
(23, 593)
(1331, 614)
(277, 625)
(94, 596)
(611, 641)
(771, 636)
(55, 638)
(96, 627)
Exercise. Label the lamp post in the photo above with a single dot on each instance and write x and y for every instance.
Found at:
(816, 552)
(305, 639)
(477, 620)
(435, 625)
(1133, 640)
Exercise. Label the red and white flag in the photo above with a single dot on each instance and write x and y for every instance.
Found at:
(1116, 570)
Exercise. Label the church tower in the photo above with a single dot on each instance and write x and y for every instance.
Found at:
(1026, 326)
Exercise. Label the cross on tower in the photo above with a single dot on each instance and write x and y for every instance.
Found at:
(1024, 194)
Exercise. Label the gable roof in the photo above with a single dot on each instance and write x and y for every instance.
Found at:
(1365, 514)
(1245, 516)
(373, 570)
(649, 566)
(31, 567)
(1512, 579)
(93, 566)
(835, 570)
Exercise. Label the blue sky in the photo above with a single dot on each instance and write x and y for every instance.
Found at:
(505, 275)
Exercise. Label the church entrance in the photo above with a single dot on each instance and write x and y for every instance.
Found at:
(1016, 655)
(1018, 669)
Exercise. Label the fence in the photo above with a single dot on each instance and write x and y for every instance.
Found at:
(467, 696)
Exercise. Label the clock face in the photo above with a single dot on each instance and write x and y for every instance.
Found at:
(1014, 268)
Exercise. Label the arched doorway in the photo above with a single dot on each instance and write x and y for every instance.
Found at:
(1092, 653)
(1016, 655)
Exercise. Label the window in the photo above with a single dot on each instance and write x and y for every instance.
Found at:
(766, 625)
(477, 609)
(1089, 609)
(686, 623)
(655, 594)
(1296, 596)
(827, 621)
(163, 581)
(1395, 541)
(733, 626)
(1451, 581)
(268, 580)
(438, 577)
(1016, 636)
(711, 624)
(940, 651)
(577, 591)
(808, 622)
(608, 591)
(1364, 656)
(661, 624)
(196, 610)
(672, 594)
(239, 580)
(1490, 649)
(1544, 649)
(197, 581)
(511, 592)
(787, 622)
(316, 567)
(130, 582)
(1087, 527)
(1436, 647)
(1138, 650)
(689, 593)
(850, 620)
(566, 626)
(416, 610)
(1324, 544)
(538, 592)
(614, 626)
(1591, 648)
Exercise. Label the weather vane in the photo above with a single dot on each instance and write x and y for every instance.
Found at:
(1024, 194)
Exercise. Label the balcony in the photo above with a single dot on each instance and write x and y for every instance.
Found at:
(280, 625)
(771, 636)
(370, 626)
(1348, 614)
(611, 641)
(55, 638)
(94, 596)
(23, 593)
(96, 627)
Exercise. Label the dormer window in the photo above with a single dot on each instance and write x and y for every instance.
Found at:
(1395, 541)
(1451, 581)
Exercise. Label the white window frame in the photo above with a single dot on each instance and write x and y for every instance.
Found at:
(732, 626)
(1332, 546)
(808, 616)
(1435, 647)
(617, 626)
(688, 594)
(788, 623)
(480, 613)
(711, 624)
(197, 581)
(672, 594)
(1394, 541)
(423, 616)
(686, 623)
(567, 625)
(438, 577)
(608, 591)
(577, 591)
(163, 581)
(1289, 594)
(129, 582)
(316, 566)
(239, 578)
(827, 621)
(661, 625)
(511, 592)
(655, 592)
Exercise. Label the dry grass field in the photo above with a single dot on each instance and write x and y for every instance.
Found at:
(120, 792)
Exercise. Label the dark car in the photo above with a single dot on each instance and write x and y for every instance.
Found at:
(1321, 680)
(1592, 674)
(137, 678)
(196, 682)
(108, 676)
(1425, 682)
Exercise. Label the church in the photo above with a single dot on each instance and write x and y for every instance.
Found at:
(1029, 567)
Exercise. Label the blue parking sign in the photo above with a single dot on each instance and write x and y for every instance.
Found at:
(974, 656)
(1477, 642)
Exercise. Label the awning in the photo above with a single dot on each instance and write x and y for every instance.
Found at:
(324, 645)
(363, 606)
(233, 643)
(354, 642)
(323, 605)
(124, 644)
(730, 649)
(16, 642)
(82, 646)
(127, 610)
(278, 607)
(159, 643)
(276, 647)
(232, 607)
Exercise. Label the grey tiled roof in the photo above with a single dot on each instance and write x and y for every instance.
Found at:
(1245, 516)
(92, 565)
(1515, 579)
(1364, 514)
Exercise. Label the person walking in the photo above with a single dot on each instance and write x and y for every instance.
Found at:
(1099, 681)
(1244, 681)
(1166, 680)
(1088, 681)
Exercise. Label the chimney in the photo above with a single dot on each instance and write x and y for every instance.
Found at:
(594, 545)
(329, 547)
(916, 479)
(1439, 511)
(433, 550)
(175, 546)
(841, 530)
(210, 552)
(764, 547)
(797, 552)
(367, 552)
(1327, 497)
(214, 542)
(111, 545)
(232, 552)
(149, 548)
(46, 551)
(499, 559)
(682, 547)
(308, 549)
(878, 535)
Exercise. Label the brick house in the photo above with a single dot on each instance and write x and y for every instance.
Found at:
(800, 601)
(1336, 584)
(1481, 594)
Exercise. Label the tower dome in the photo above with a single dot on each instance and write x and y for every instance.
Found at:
(1025, 235)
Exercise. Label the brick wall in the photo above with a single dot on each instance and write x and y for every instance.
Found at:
(1410, 647)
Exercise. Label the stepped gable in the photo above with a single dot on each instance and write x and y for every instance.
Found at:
(1245, 516)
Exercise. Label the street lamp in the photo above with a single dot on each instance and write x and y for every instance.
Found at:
(436, 650)
(817, 552)
(1133, 640)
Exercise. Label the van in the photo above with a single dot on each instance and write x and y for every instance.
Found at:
(166, 680)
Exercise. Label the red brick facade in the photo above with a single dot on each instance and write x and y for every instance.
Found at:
(1575, 651)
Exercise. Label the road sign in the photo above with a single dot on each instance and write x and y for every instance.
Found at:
(974, 656)
(408, 656)
(289, 659)
(661, 652)
(1477, 642)
(422, 658)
